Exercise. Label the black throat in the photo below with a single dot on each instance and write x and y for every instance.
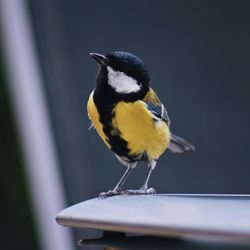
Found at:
(105, 99)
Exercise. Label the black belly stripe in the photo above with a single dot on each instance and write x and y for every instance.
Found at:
(118, 145)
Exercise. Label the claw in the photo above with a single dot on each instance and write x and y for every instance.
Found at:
(110, 193)
(140, 191)
(150, 191)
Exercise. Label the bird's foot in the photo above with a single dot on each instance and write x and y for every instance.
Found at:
(110, 193)
(140, 191)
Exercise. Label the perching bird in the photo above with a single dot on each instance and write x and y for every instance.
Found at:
(129, 117)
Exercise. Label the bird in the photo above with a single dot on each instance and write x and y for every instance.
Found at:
(130, 118)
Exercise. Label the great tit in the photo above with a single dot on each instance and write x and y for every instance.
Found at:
(129, 117)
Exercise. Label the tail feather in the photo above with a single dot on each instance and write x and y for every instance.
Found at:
(179, 145)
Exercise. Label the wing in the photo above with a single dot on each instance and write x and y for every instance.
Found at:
(157, 109)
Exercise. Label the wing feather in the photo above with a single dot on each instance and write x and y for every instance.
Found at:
(157, 109)
(159, 113)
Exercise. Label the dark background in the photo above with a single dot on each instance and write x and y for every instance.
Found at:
(198, 55)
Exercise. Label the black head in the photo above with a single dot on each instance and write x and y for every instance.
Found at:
(123, 75)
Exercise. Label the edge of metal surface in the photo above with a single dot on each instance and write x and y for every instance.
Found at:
(65, 219)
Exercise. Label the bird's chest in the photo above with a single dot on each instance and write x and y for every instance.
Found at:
(101, 115)
(95, 118)
(139, 130)
(128, 129)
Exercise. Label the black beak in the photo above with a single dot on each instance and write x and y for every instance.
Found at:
(102, 60)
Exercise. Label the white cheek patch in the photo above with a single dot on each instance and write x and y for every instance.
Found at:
(122, 83)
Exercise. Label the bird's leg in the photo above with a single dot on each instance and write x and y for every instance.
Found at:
(145, 185)
(119, 185)
(144, 189)
(118, 188)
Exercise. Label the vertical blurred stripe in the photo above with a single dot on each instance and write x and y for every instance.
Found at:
(29, 102)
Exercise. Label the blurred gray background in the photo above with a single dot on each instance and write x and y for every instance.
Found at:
(198, 55)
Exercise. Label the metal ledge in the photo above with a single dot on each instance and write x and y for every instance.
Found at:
(226, 216)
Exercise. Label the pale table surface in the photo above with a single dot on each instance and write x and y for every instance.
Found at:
(220, 216)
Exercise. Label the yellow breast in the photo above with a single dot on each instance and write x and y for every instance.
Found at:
(94, 117)
(138, 128)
